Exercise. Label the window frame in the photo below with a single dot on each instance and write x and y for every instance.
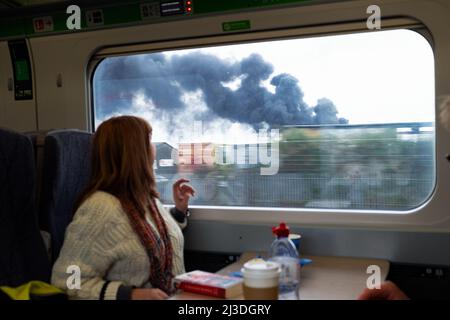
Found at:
(263, 215)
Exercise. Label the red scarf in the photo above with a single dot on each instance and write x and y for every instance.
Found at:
(159, 249)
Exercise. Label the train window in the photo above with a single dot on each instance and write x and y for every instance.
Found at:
(330, 122)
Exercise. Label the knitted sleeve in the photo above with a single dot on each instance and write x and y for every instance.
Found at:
(89, 247)
(178, 216)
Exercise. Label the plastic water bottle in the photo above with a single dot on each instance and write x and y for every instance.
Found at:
(283, 251)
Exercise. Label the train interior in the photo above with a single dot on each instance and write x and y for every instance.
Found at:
(308, 112)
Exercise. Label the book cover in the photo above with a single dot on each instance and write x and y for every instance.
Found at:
(210, 284)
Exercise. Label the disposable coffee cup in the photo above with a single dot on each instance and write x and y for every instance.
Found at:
(261, 279)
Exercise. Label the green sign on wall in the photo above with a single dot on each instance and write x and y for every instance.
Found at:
(22, 70)
(236, 25)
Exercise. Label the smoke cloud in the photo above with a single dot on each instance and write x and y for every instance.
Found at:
(231, 90)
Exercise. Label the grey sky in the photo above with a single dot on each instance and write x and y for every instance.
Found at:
(375, 77)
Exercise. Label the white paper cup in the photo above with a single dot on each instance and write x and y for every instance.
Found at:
(261, 279)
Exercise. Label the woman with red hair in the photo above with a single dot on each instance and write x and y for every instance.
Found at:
(124, 242)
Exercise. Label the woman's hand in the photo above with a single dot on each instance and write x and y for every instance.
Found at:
(181, 194)
(388, 291)
(148, 294)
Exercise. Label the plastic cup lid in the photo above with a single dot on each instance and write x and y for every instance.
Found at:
(261, 267)
(294, 236)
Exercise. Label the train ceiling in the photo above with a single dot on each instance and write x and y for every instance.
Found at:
(8, 4)
(20, 7)
(23, 3)
(11, 8)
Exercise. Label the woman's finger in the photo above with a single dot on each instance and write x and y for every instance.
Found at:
(163, 295)
(187, 189)
(159, 294)
(177, 183)
(374, 294)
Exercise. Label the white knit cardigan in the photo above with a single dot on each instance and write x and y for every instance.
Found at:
(102, 244)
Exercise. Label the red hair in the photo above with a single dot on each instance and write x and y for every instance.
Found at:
(122, 165)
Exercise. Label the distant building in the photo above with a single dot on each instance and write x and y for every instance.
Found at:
(207, 154)
(197, 154)
(166, 158)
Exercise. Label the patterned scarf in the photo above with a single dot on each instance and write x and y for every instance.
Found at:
(159, 249)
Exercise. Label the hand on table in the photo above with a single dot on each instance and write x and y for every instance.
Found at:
(148, 294)
(388, 291)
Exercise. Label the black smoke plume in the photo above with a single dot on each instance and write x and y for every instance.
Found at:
(164, 80)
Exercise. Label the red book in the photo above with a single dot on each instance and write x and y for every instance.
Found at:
(210, 284)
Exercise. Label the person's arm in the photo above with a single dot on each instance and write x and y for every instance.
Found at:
(181, 195)
(180, 217)
(387, 291)
(90, 246)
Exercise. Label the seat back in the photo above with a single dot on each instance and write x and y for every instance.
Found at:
(66, 170)
(23, 256)
(38, 139)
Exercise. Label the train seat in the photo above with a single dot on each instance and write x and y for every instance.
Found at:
(22, 252)
(38, 139)
(66, 169)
